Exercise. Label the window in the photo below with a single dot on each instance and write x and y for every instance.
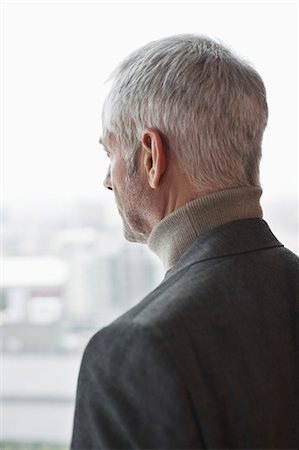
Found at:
(67, 270)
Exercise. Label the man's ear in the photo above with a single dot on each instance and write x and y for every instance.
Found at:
(154, 156)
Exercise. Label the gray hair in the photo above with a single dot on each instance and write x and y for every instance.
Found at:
(208, 104)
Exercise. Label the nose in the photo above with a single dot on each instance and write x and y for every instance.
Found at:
(107, 180)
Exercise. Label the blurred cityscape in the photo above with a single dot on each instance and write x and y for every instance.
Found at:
(66, 272)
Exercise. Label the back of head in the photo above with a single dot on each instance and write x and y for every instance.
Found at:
(208, 104)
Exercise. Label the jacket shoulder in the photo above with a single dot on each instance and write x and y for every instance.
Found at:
(130, 394)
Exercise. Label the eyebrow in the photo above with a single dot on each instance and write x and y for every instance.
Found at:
(102, 144)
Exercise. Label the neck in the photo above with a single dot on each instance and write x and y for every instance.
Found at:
(171, 237)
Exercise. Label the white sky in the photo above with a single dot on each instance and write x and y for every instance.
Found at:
(56, 57)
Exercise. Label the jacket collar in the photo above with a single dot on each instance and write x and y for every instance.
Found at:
(233, 238)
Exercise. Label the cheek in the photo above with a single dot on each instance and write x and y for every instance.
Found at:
(117, 176)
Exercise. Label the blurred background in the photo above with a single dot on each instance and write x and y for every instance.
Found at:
(66, 270)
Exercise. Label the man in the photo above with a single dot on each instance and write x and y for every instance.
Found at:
(209, 359)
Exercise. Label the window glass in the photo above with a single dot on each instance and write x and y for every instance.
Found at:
(67, 270)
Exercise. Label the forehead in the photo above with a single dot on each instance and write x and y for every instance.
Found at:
(107, 140)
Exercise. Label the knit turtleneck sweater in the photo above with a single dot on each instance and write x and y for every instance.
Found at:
(174, 234)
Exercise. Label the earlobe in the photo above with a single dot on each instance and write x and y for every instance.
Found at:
(151, 172)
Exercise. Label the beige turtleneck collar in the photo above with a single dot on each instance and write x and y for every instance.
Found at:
(175, 233)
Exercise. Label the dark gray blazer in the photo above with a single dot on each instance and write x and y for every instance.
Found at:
(209, 359)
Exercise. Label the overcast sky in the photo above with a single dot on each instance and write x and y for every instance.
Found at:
(56, 57)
